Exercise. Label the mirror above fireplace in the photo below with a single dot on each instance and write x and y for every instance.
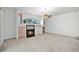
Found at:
(32, 21)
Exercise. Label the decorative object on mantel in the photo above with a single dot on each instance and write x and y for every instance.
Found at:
(31, 21)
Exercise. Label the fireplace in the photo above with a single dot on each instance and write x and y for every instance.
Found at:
(30, 30)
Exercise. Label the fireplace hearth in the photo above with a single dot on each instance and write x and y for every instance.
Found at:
(30, 30)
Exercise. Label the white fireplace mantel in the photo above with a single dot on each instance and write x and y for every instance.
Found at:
(22, 32)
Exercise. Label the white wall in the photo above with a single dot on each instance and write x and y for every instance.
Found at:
(28, 15)
(0, 26)
(9, 23)
(66, 24)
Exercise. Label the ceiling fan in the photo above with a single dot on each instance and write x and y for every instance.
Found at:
(46, 14)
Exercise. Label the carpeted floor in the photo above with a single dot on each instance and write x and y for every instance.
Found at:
(42, 43)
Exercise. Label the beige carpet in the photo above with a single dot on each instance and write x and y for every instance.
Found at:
(42, 43)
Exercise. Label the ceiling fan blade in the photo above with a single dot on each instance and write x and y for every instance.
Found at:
(50, 16)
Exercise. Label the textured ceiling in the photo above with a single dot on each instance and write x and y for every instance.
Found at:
(54, 10)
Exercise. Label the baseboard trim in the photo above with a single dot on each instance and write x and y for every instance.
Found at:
(1, 42)
(62, 35)
(10, 38)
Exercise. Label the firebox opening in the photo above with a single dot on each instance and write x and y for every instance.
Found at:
(30, 30)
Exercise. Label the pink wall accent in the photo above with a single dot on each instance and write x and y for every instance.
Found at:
(21, 31)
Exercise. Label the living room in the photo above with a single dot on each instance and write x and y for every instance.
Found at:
(53, 29)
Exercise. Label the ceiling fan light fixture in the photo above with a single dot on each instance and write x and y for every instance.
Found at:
(45, 9)
(46, 15)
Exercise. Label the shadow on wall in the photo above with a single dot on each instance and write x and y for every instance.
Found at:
(77, 37)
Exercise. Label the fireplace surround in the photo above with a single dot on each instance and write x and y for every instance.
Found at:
(30, 30)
